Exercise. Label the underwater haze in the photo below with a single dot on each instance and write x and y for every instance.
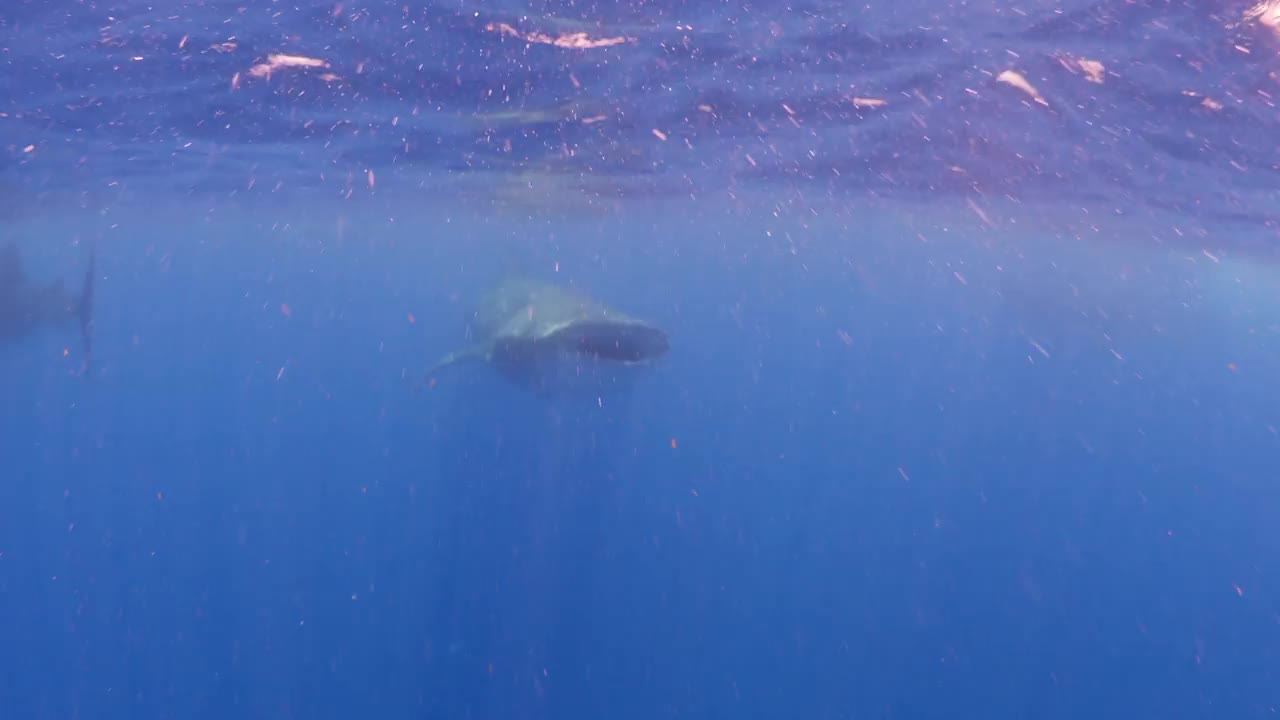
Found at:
(923, 362)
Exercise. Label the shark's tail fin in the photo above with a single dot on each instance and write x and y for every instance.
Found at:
(85, 308)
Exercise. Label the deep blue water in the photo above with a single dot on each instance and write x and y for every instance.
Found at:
(970, 409)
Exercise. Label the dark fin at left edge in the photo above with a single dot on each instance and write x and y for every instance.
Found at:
(86, 309)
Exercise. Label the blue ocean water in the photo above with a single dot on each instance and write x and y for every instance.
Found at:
(969, 409)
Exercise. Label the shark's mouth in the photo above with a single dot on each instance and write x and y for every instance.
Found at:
(621, 342)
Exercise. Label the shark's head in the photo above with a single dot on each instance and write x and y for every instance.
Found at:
(549, 338)
(611, 341)
(585, 355)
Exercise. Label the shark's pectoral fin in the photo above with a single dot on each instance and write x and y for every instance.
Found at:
(473, 353)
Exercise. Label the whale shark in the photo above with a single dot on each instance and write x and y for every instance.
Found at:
(535, 334)
(28, 308)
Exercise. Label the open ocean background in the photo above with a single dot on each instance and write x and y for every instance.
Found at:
(971, 409)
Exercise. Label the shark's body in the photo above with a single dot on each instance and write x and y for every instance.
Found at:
(27, 308)
(534, 333)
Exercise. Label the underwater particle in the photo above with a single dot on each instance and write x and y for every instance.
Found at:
(278, 61)
(659, 134)
(1094, 71)
(1014, 79)
(673, 443)
(571, 41)
(982, 215)
(1239, 590)
(285, 310)
(1266, 12)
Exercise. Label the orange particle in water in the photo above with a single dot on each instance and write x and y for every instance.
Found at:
(1232, 367)
(673, 443)
(285, 310)
(1239, 590)
(412, 319)
(65, 352)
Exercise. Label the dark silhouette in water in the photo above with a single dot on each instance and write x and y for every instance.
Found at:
(536, 334)
(27, 308)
